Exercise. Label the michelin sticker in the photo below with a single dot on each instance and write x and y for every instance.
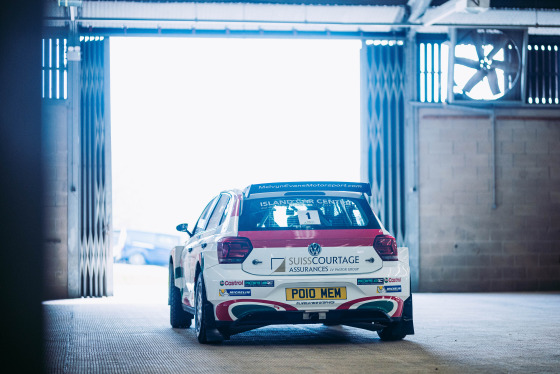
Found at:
(234, 292)
(383, 289)
(393, 288)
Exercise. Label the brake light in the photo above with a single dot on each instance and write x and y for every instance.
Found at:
(233, 250)
(386, 247)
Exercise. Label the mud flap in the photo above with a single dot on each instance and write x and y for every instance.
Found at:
(212, 333)
(407, 324)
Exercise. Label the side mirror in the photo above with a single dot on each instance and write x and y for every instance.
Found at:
(183, 228)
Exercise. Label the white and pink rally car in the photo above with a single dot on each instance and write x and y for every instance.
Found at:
(290, 253)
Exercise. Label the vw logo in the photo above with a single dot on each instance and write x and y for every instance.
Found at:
(314, 249)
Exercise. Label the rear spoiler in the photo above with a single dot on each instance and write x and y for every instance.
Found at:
(309, 186)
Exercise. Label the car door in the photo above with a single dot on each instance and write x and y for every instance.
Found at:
(192, 250)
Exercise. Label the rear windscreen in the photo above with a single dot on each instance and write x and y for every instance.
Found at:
(306, 213)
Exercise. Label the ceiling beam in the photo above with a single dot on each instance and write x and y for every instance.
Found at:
(417, 9)
(437, 14)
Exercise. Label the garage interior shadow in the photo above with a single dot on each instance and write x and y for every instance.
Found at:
(20, 191)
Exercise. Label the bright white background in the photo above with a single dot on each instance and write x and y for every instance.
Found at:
(192, 117)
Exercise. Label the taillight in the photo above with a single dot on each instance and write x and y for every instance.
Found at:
(233, 250)
(386, 247)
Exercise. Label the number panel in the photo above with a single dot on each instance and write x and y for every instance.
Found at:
(316, 293)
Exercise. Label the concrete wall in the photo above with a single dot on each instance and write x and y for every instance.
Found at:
(55, 197)
(467, 244)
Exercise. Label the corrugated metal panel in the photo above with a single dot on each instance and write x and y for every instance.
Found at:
(543, 67)
(54, 72)
(95, 174)
(383, 105)
(432, 70)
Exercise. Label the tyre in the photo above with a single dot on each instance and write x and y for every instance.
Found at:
(177, 316)
(204, 321)
(392, 332)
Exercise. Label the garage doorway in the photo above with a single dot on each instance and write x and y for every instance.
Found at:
(192, 116)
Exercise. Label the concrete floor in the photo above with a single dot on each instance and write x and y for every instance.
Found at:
(455, 333)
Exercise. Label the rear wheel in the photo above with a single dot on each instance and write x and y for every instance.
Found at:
(205, 332)
(177, 316)
(392, 332)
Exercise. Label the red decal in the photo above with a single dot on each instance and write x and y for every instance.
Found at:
(399, 301)
(302, 238)
(222, 310)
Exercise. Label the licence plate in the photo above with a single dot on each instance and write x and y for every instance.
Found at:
(316, 293)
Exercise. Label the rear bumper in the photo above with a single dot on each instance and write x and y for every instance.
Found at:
(225, 287)
(376, 319)
(370, 319)
(335, 317)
